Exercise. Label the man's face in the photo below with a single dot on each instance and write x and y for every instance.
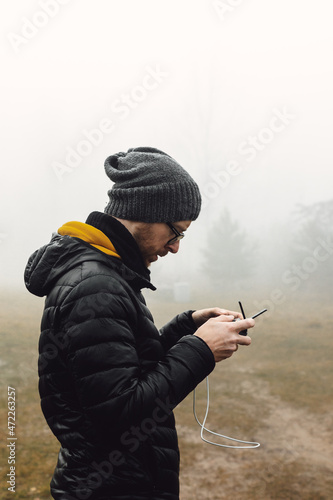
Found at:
(153, 239)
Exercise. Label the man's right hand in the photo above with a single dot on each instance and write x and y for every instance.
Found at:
(221, 334)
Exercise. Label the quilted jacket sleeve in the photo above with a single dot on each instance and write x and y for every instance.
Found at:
(177, 328)
(108, 339)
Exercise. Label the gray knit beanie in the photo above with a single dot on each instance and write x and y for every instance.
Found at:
(150, 186)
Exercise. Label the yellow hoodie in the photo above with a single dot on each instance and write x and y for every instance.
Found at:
(90, 235)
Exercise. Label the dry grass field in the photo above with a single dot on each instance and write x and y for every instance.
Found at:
(278, 392)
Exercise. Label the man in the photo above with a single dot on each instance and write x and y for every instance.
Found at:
(109, 379)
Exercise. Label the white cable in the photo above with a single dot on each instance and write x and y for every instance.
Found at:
(203, 428)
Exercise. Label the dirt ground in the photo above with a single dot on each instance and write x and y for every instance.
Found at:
(278, 392)
(295, 455)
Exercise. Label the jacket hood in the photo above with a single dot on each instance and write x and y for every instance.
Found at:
(47, 264)
(89, 234)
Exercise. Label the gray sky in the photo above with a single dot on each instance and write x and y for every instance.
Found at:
(239, 92)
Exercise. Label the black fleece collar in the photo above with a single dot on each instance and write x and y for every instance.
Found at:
(122, 240)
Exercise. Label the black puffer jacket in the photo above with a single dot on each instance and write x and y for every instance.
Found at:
(109, 379)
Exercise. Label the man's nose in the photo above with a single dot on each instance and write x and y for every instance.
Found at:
(174, 247)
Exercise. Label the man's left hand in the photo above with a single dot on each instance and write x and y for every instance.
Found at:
(201, 316)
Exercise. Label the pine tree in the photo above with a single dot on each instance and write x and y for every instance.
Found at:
(229, 256)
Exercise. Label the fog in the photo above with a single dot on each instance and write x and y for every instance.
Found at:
(238, 92)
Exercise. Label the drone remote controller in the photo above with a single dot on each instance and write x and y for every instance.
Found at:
(244, 332)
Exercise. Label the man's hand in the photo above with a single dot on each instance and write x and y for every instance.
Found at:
(221, 334)
(200, 317)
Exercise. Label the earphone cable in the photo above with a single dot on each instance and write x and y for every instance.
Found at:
(203, 428)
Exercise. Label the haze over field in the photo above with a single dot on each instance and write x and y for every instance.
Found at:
(238, 92)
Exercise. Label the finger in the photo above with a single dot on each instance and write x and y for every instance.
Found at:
(233, 313)
(244, 340)
(250, 322)
(224, 317)
(244, 324)
(217, 311)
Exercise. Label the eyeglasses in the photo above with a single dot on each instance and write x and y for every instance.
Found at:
(179, 236)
